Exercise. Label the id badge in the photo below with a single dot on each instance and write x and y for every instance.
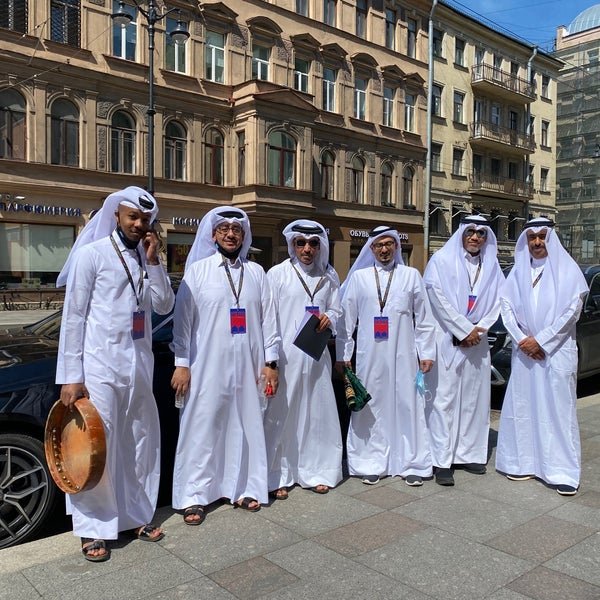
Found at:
(381, 328)
(237, 320)
(313, 310)
(471, 303)
(139, 325)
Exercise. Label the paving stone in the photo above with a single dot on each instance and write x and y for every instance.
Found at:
(546, 584)
(386, 497)
(16, 587)
(581, 560)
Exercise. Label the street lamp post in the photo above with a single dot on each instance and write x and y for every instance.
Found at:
(179, 36)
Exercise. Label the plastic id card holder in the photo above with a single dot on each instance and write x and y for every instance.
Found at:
(313, 310)
(237, 320)
(471, 303)
(138, 328)
(381, 328)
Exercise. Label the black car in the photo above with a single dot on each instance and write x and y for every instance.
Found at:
(28, 494)
(588, 337)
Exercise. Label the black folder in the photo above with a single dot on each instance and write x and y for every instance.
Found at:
(309, 341)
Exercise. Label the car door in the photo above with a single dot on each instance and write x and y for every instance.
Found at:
(588, 330)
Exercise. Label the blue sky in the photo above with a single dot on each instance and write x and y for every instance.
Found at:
(534, 20)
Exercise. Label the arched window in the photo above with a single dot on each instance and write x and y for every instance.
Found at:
(281, 159)
(356, 181)
(407, 188)
(386, 185)
(64, 133)
(213, 158)
(175, 151)
(122, 143)
(327, 174)
(12, 125)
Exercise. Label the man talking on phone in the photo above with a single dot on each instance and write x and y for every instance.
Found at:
(114, 280)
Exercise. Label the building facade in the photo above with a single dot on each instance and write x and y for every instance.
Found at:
(493, 131)
(578, 120)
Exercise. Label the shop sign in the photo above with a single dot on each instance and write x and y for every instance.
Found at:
(187, 221)
(363, 233)
(39, 209)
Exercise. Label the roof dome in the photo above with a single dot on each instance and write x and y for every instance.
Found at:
(588, 19)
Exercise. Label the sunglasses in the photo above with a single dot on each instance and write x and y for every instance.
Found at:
(480, 233)
(311, 243)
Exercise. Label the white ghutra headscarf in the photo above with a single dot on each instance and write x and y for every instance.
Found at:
(308, 230)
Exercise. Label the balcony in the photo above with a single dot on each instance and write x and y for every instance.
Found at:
(498, 186)
(501, 138)
(500, 84)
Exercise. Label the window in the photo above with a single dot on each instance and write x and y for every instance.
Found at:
(122, 143)
(496, 115)
(64, 26)
(436, 157)
(301, 68)
(545, 86)
(544, 180)
(241, 141)
(592, 56)
(124, 38)
(411, 41)
(459, 101)
(327, 175)
(437, 100)
(329, 9)
(214, 60)
(497, 74)
(281, 159)
(175, 151)
(13, 15)
(64, 136)
(360, 98)
(545, 141)
(12, 125)
(477, 167)
(329, 77)
(386, 185)
(409, 112)
(513, 170)
(260, 62)
(213, 157)
(356, 173)
(513, 120)
(457, 161)
(407, 188)
(361, 18)
(390, 28)
(479, 59)
(438, 41)
(388, 106)
(174, 53)
(302, 7)
(459, 52)
(495, 169)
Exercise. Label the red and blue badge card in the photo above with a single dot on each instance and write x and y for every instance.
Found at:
(237, 320)
(313, 310)
(381, 328)
(138, 329)
(471, 303)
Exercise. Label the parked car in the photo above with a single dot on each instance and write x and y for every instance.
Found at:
(588, 337)
(28, 495)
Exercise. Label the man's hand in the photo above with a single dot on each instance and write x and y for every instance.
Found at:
(70, 392)
(271, 378)
(531, 348)
(426, 365)
(340, 364)
(180, 381)
(473, 338)
(151, 244)
(324, 323)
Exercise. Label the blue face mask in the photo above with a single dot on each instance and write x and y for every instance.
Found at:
(420, 382)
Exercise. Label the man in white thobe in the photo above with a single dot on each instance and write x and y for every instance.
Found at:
(224, 337)
(463, 281)
(302, 427)
(114, 280)
(538, 434)
(395, 338)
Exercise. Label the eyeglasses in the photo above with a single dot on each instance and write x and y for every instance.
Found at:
(235, 229)
(311, 243)
(480, 233)
(380, 245)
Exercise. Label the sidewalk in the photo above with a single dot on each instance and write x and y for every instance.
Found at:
(487, 537)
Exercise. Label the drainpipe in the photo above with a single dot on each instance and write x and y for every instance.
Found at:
(429, 134)
(529, 132)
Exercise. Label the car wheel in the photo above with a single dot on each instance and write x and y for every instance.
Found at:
(27, 491)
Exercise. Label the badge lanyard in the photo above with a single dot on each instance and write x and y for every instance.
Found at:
(383, 300)
(472, 297)
(138, 294)
(537, 279)
(237, 316)
(238, 292)
(312, 308)
(381, 329)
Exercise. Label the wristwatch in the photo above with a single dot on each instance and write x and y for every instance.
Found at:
(272, 364)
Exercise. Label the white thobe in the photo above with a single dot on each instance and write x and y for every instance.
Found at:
(302, 427)
(458, 412)
(221, 446)
(96, 347)
(389, 435)
(538, 433)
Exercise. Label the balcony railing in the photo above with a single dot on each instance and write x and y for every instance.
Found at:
(503, 185)
(502, 135)
(488, 74)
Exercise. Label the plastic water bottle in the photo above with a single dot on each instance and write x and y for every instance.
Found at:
(262, 393)
(179, 401)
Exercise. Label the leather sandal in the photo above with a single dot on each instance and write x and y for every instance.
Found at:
(195, 510)
(245, 504)
(145, 532)
(89, 544)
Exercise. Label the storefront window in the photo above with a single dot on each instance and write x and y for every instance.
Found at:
(178, 248)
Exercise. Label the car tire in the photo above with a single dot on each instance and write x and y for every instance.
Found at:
(28, 493)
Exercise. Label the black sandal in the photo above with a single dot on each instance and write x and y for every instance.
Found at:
(324, 489)
(245, 504)
(145, 534)
(94, 545)
(195, 510)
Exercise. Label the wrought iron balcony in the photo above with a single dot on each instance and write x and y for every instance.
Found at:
(500, 83)
(493, 135)
(496, 184)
